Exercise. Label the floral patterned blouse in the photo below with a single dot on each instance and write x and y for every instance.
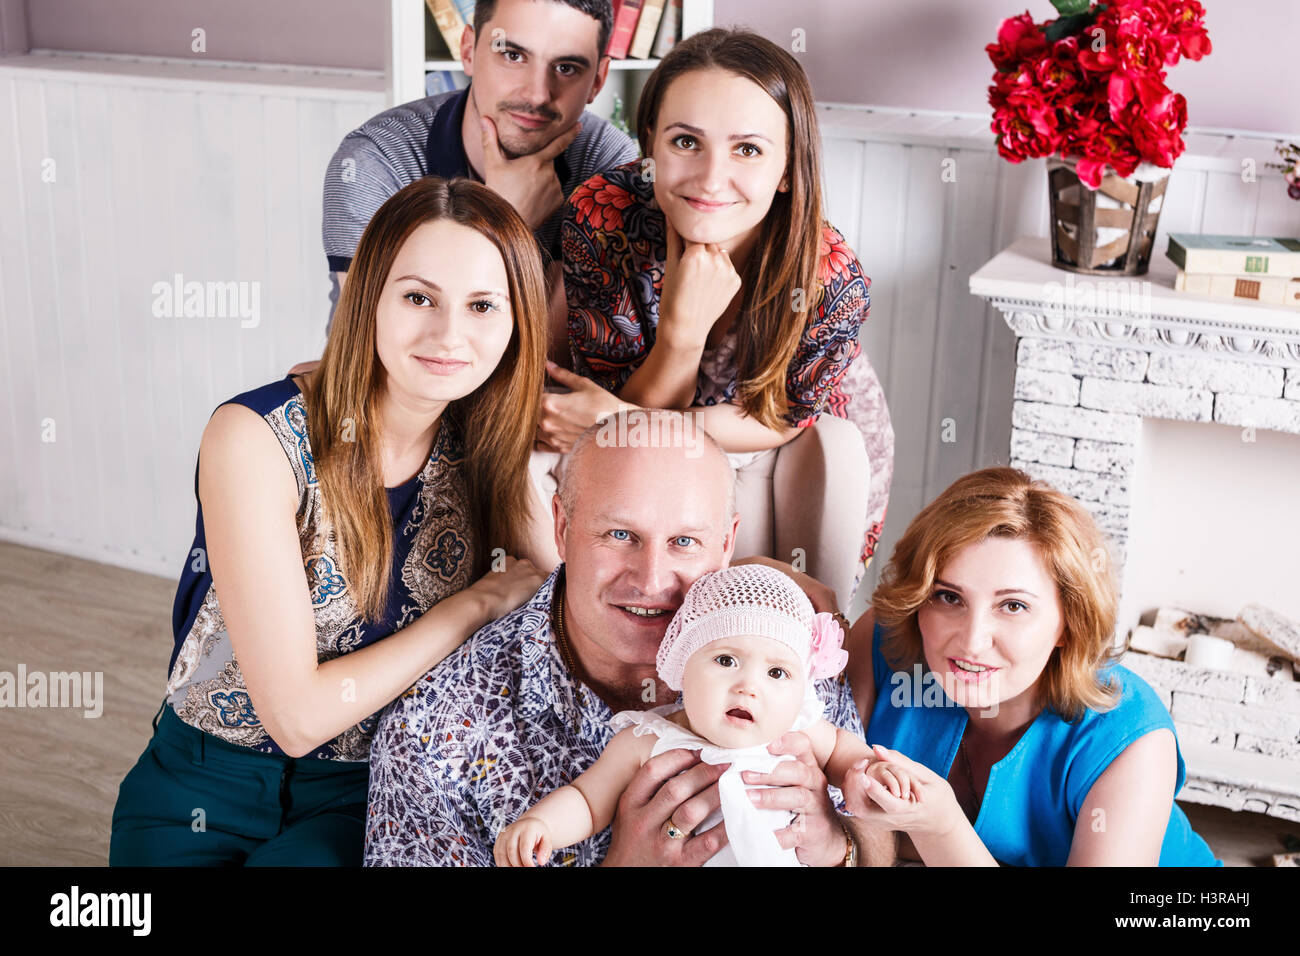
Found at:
(614, 248)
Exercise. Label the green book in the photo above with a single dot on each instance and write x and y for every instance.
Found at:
(1234, 255)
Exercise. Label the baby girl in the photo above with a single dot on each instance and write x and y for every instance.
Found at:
(744, 650)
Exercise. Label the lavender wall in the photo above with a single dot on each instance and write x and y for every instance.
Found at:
(13, 26)
(929, 54)
(918, 54)
(333, 33)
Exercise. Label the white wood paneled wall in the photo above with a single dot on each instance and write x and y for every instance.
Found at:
(158, 169)
(941, 353)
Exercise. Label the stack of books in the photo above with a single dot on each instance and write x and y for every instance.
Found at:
(451, 17)
(1238, 267)
(642, 28)
(444, 81)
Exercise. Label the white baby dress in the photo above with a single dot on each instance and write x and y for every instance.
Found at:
(751, 831)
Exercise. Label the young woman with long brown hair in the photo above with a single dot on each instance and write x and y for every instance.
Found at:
(343, 520)
(706, 278)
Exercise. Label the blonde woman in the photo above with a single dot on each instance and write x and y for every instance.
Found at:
(353, 527)
(986, 668)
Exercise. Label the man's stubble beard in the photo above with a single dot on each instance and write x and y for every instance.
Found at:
(507, 150)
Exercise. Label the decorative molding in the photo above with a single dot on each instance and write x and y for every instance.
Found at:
(193, 76)
(1205, 788)
(1233, 341)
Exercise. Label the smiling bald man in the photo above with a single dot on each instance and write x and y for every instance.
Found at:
(523, 706)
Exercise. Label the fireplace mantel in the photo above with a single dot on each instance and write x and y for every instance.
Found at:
(1038, 299)
(1094, 357)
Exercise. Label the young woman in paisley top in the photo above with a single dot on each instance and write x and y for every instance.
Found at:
(343, 519)
(704, 277)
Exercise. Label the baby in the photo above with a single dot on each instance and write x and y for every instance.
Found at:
(744, 650)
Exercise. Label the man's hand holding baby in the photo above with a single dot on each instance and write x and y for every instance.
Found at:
(799, 786)
(675, 785)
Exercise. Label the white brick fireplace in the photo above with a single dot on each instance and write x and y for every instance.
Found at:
(1110, 375)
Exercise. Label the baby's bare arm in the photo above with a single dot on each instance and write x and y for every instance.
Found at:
(575, 811)
(587, 805)
(606, 779)
(566, 815)
(848, 749)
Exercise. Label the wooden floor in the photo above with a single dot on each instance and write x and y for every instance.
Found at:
(59, 770)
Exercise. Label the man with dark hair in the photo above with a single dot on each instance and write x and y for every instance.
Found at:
(520, 127)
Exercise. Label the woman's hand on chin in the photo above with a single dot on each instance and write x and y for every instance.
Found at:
(699, 283)
(566, 415)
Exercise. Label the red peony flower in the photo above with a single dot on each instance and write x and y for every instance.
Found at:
(1159, 138)
(1058, 72)
(1018, 39)
(1027, 126)
(1096, 90)
(1187, 21)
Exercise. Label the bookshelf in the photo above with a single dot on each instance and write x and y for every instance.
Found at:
(417, 48)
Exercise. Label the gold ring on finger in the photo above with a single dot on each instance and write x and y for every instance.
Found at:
(673, 831)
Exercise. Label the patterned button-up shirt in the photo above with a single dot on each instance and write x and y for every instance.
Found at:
(486, 734)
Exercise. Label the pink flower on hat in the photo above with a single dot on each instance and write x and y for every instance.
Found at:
(827, 656)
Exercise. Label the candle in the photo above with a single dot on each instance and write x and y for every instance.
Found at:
(1204, 650)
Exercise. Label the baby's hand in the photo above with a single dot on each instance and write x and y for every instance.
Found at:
(517, 843)
(893, 777)
(889, 775)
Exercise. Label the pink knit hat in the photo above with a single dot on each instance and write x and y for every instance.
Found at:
(754, 600)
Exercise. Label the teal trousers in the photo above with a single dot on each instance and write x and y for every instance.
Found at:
(193, 799)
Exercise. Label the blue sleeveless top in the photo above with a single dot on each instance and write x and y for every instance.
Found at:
(1034, 793)
(433, 558)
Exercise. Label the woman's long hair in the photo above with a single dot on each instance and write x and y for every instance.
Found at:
(497, 421)
(1007, 503)
(780, 284)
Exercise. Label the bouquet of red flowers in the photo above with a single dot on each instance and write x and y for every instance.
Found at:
(1091, 84)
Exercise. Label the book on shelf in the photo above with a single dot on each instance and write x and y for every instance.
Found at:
(449, 22)
(466, 10)
(643, 39)
(626, 13)
(1235, 255)
(1271, 290)
(668, 28)
(444, 81)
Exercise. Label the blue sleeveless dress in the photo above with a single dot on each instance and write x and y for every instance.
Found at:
(1036, 792)
(433, 558)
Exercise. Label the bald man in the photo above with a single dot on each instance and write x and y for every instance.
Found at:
(645, 507)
